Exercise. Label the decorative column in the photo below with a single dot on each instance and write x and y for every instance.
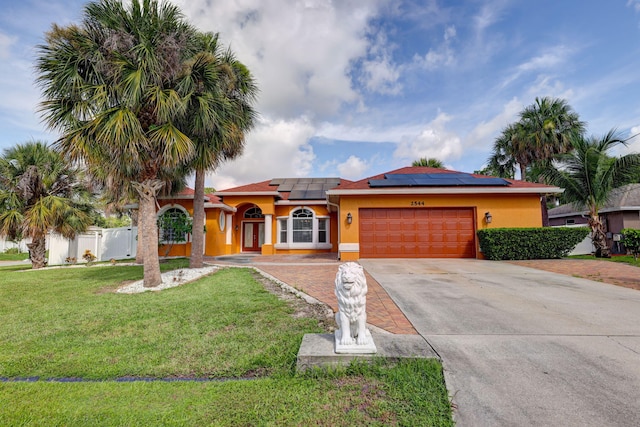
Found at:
(229, 234)
(267, 246)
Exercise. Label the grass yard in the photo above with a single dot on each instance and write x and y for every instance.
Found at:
(14, 257)
(226, 331)
(625, 259)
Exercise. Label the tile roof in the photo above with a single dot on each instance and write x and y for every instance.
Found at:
(188, 193)
(284, 192)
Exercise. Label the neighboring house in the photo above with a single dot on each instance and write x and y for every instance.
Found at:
(621, 211)
(410, 212)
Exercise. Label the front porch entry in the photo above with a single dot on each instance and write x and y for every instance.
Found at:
(252, 236)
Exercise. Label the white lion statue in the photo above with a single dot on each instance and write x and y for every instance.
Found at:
(351, 290)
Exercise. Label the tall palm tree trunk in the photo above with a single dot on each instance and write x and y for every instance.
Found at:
(544, 210)
(148, 230)
(38, 251)
(599, 237)
(197, 231)
(523, 171)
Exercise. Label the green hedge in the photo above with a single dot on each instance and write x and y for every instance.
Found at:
(530, 243)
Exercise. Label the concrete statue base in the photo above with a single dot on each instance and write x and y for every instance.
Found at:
(368, 348)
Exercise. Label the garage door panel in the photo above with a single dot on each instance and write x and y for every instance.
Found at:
(417, 233)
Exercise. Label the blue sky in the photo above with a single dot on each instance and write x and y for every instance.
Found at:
(353, 88)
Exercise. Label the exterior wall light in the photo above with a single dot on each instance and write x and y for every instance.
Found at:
(487, 217)
(349, 218)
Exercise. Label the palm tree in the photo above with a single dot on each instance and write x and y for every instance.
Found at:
(543, 131)
(40, 192)
(588, 174)
(430, 162)
(506, 154)
(111, 87)
(220, 112)
(549, 124)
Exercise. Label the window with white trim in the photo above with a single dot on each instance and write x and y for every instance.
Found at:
(323, 236)
(303, 229)
(302, 226)
(282, 234)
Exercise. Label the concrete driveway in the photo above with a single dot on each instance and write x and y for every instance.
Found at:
(523, 347)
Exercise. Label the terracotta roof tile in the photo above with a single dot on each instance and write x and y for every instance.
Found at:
(251, 188)
(263, 186)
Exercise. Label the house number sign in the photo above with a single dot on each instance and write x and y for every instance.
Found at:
(417, 203)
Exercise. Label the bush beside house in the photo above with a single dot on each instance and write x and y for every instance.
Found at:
(529, 243)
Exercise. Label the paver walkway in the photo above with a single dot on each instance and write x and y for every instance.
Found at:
(615, 273)
(315, 275)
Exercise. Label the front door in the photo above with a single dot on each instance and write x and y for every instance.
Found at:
(252, 236)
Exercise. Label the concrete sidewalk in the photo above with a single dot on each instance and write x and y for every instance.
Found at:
(522, 346)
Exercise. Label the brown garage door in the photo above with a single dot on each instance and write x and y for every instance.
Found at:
(417, 233)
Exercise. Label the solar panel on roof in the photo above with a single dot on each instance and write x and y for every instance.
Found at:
(435, 180)
(297, 195)
(314, 194)
(305, 188)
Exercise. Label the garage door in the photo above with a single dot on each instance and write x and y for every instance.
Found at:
(417, 233)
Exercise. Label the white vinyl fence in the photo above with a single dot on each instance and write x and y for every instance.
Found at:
(104, 243)
(8, 244)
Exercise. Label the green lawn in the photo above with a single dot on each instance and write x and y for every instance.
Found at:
(625, 259)
(14, 257)
(68, 323)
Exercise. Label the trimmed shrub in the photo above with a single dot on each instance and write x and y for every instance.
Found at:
(530, 243)
(631, 241)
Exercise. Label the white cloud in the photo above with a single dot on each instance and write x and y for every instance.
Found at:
(548, 86)
(301, 53)
(484, 132)
(275, 149)
(635, 4)
(5, 45)
(347, 132)
(433, 141)
(353, 168)
(549, 60)
(633, 142)
(450, 32)
(442, 55)
(553, 57)
(489, 14)
(380, 74)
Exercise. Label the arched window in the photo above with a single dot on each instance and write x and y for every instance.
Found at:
(254, 212)
(174, 225)
(302, 226)
(303, 229)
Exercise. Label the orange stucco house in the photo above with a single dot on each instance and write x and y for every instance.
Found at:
(412, 212)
